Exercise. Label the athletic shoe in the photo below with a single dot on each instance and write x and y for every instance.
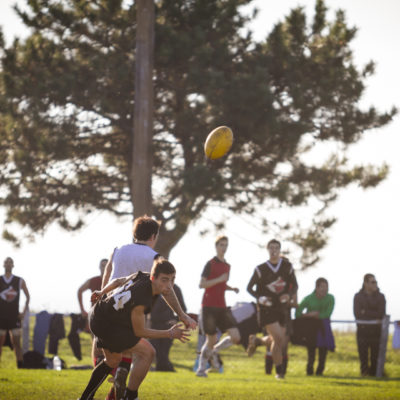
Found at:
(279, 376)
(215, 364)
(120, 382)
(251, 348)
(202, 374)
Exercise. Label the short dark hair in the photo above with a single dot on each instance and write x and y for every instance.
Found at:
(321, 280)
(220, 238)
(274, 241)
(162, 266)
(145, 227)
(367, 277)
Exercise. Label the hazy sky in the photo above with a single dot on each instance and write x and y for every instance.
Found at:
(365, 238)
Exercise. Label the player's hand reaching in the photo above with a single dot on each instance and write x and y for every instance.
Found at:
(95, 296)
(190, 323)
(177, 332)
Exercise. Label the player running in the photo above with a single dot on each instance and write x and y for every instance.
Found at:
(274, 283)
(215, 314)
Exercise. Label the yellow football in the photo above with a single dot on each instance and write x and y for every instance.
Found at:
(218, 142)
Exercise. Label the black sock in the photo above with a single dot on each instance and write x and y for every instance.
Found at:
(20, 363)
(278, 369)
(130, 394)
(99, 374)
(269, 363)
(285, 361)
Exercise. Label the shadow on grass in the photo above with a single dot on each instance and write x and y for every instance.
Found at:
(183, 366)
(360, 379)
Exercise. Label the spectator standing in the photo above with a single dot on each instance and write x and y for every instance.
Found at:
(10, 318)
(319, 304)
(162, 317)
(369, 304)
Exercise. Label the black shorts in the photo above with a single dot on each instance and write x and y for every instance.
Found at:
(111, 336)
(269, 315)
(217, 318)
(10, 323)
(248, 327)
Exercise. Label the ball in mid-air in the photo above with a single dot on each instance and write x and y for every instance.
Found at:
(218, 142)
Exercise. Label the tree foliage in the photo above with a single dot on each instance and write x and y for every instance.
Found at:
(66, 115)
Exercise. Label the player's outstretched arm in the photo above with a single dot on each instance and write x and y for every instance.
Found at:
(139, 326)
(97, 294)
(171, 299)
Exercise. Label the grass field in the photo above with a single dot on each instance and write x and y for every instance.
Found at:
(243, 378)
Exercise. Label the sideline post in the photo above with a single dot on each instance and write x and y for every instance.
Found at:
(382, 346)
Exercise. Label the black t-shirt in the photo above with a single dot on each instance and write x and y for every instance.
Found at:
(116, 307)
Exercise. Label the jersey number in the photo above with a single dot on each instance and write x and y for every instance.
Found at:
(120, 299)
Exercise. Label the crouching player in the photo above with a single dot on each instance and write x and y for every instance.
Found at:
(117, 319)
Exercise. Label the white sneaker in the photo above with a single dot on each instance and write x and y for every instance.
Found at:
(202, 374)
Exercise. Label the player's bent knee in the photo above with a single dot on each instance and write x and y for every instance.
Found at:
(150, 352)
(145, 351)
(113, 359)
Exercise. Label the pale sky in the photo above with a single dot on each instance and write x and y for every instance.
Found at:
(363, 240)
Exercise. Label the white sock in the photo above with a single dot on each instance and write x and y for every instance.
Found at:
(223, 344)
(204, 356)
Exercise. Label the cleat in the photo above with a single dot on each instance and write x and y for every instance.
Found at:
(251, 348)
(120, 382)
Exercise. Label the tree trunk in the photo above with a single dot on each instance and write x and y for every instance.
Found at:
(142, 149)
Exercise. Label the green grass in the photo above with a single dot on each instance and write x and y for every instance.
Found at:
(243, 378)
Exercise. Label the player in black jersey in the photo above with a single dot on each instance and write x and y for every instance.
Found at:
(117, 319)
(275, 283)
(10, 318)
